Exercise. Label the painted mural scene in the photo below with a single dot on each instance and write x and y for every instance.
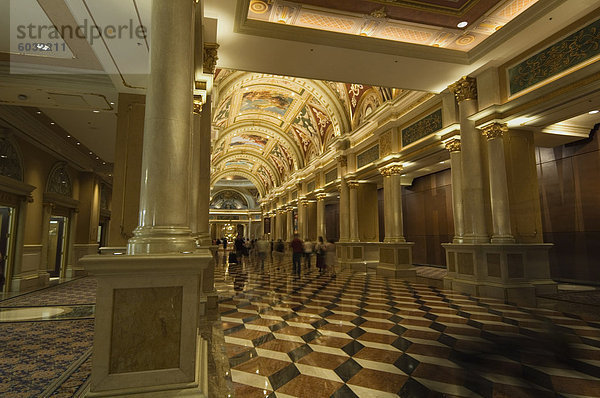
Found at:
(286, 198)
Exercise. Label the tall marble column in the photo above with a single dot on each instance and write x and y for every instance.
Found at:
(498, 183)
(163, 214)
(303, 211)
(353, 211)
(321, 231)
(290, 223)
(476, 231)
(146, 340)
(457, 200)
(344, 202)
(392, 190)
(203, 205)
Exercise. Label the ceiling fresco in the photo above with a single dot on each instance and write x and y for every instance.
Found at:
(270, 126)
(426, 22)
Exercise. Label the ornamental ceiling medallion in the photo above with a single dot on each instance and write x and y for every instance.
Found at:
(271, 126)
(425, 22)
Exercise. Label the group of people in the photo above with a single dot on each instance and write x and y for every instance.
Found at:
(258, 250)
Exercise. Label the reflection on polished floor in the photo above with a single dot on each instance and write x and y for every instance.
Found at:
(359, 335)
(319, 336)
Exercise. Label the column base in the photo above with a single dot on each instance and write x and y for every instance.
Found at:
(514, 273)
(475, 239)
(395, 261)
(358, 256)
(502, 239)
(161, 240)
(145, 338)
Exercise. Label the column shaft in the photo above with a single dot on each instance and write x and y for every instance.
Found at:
(498, 184)
(354, 234)
(457, 198)
(321, 231)
(203, 205)
(290, 224)
(163, 218)
(344, 211)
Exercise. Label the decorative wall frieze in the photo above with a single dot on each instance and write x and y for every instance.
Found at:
(464, 89)
(494, 130)
(422, 128)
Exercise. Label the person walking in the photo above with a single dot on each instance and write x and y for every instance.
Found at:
(309, 247)
(297, 251)
(224, 244)
(320, 252)
(330, 257)
(279, 250)
(262, 247)
(238, 245)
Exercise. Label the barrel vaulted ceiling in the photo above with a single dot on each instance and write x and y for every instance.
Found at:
(267, 127)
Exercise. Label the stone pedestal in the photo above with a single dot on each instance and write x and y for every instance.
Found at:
(358, 256)
(395, 261)
(515, 273)
(146, 341)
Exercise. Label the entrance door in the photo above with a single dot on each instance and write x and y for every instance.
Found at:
(56, 244)
(6, 215)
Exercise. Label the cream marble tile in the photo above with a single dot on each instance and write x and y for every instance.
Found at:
(288, 337)
(384, 367)
(378, 345)
(453, 389)
(318, 372)
(281, 356)
(328, 350)
(238, 341)
(250, 379)
(363, 392)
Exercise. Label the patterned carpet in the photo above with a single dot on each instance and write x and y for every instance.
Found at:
(79, 291)
(362, 336)
(34, 355)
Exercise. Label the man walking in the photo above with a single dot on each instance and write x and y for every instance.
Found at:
(297, 251)
(262, 247)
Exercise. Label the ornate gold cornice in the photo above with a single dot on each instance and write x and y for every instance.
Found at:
(391, 170)
(494, 130)
(210, 58)
(453, 145)
(464, 89)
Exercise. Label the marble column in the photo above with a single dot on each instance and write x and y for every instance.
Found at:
(321, 231)
(290, 223)
(453, 147)
(163, 214)
(203, 205)
(344, 202)
(304, 213)
(476, 231)
(498, 183)
(392, 190)
(353, 211)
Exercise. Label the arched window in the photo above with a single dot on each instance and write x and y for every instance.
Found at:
(59, 181)
(10, 160)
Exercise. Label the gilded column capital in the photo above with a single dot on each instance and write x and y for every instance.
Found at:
(464, 89)
(391, 170)
(353, 184)
(321, 197)
(198, 104)
(494, 130)
(304, 202)
(342, 160)
(210, 58)
(453, 145)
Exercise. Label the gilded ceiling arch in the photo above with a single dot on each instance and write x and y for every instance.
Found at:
(256, 160)
(219, 175)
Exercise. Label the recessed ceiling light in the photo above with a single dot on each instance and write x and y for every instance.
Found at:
(103, 162)
(79, 143)
(462, 24)
(91, 153)
(96, 111)
(39, 113)
(594, 112)
(68, 136)
(22, 97)
(52, 123)
(112, 103)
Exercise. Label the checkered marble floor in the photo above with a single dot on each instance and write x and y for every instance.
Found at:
(357, 335)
